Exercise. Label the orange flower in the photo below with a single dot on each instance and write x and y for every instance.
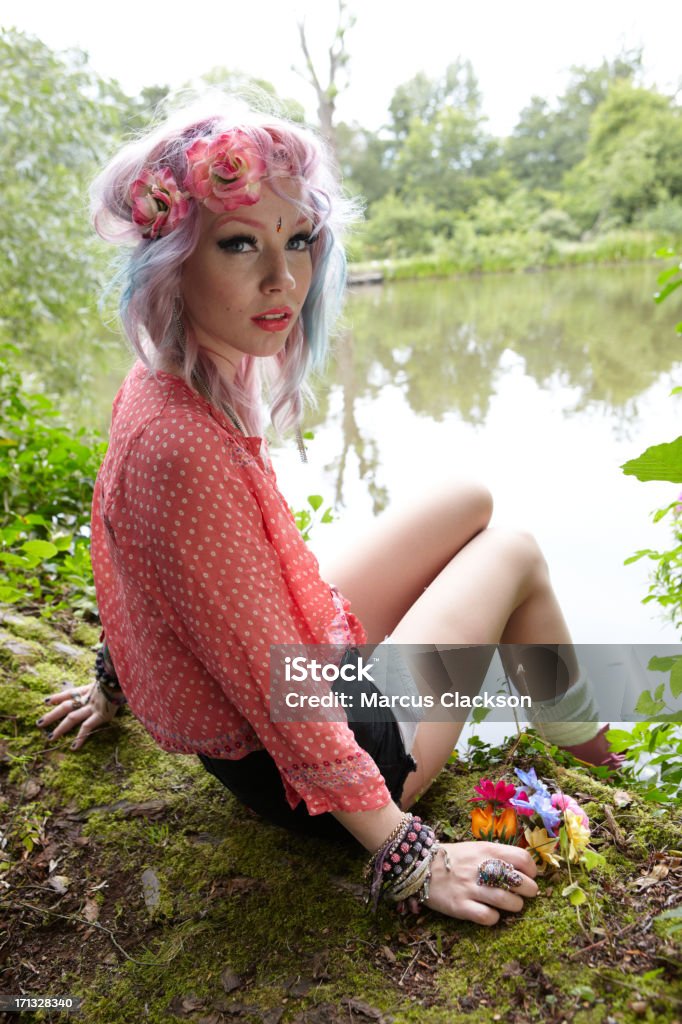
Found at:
(505, 825)
(486, 824)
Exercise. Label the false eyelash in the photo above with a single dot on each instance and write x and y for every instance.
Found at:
(225, 243)
(310, 238)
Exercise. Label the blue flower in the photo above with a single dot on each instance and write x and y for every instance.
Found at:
(531, 780)
(542, 805)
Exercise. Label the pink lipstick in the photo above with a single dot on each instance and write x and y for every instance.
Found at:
(274, 319)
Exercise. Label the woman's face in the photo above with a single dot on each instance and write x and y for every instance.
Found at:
(244, 285)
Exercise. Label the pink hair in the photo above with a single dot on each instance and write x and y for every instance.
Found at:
(150, 273)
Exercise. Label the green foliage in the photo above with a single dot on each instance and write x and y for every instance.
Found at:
(307, 519)
(659, 462)
(600, 161)
(546, 142)
(632, 162)
(57, 119)
(47, 475)
(653, 765)
(664, 462)
(665, 586)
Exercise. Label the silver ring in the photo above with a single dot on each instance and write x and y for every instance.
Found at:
(498, 874)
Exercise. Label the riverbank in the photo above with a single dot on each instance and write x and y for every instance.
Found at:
(134, 882)
(531, 252)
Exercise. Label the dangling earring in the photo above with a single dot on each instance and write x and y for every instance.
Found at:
(180, 332)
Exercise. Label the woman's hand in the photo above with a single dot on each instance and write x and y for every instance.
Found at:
(457, 892)
(84, 706)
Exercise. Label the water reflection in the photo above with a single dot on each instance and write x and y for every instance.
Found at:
(596, 330)
(539, 384)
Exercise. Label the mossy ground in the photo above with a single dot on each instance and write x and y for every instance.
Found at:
(150, 893)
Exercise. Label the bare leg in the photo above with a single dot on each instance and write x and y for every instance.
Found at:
(436, 575)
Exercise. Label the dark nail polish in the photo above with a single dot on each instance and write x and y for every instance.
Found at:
(40, 721)
(47, 700)
(49, 735)
(74, 746)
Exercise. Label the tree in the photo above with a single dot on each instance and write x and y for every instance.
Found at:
(422, 98)
(633, 160)
(364, 161)
(546, 143)
(338, 61)
(58, 119)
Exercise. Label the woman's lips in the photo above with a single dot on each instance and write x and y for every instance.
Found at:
(274, 319)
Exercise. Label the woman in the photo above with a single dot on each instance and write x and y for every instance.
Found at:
(228, 291)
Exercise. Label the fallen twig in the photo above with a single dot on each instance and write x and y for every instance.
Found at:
(95, 924)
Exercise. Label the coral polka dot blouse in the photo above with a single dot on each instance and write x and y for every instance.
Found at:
(199, 567)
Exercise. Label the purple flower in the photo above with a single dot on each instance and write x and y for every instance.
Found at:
(542, 805)
(531, 780)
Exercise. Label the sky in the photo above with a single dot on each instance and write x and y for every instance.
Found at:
(517, 50)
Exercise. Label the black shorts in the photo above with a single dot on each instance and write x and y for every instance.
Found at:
(256, 782)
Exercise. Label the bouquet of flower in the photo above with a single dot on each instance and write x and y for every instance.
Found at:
(532, 817)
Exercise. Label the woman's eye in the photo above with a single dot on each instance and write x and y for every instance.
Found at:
(299, 243)
(239, 243)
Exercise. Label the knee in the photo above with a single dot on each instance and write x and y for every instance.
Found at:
(522, 549)
(476, 499)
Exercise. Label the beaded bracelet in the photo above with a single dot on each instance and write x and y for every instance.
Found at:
(398, 863)
(107, 681)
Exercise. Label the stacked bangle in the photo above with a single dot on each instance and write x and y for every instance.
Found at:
(107, 680)
(401, 867)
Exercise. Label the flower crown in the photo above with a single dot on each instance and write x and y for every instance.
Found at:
(224, 173)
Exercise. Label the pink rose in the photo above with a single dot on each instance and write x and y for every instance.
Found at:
(157, 202)
(567, 803)
(225, 172)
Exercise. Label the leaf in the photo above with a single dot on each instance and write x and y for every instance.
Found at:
(646, 705)
(665, 275)
(619, 739)
(576, 895)
(151, 889)
(41, 549)
(36, 520)
(315, 501)
(60, 883)
(659, 664)
(659, 462)
(91, 910)
(676, 678)
(591, 859)
(658, 692)
(668, 290)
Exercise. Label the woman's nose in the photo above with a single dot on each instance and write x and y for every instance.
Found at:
(278, 276)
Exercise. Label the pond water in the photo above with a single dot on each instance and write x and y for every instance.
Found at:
(541, 385)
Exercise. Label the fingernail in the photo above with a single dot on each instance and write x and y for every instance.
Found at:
(47, 700)
(74, 746)
(49, 735)
(40, 721)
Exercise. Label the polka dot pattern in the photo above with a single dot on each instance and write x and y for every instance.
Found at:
(199, 568)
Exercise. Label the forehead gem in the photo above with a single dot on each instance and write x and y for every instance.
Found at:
(279, 225)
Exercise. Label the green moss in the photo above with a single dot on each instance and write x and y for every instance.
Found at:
(28, 628)
(236, 892)
(85, 635)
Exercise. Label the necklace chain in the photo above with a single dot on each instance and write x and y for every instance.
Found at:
(229, 411)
